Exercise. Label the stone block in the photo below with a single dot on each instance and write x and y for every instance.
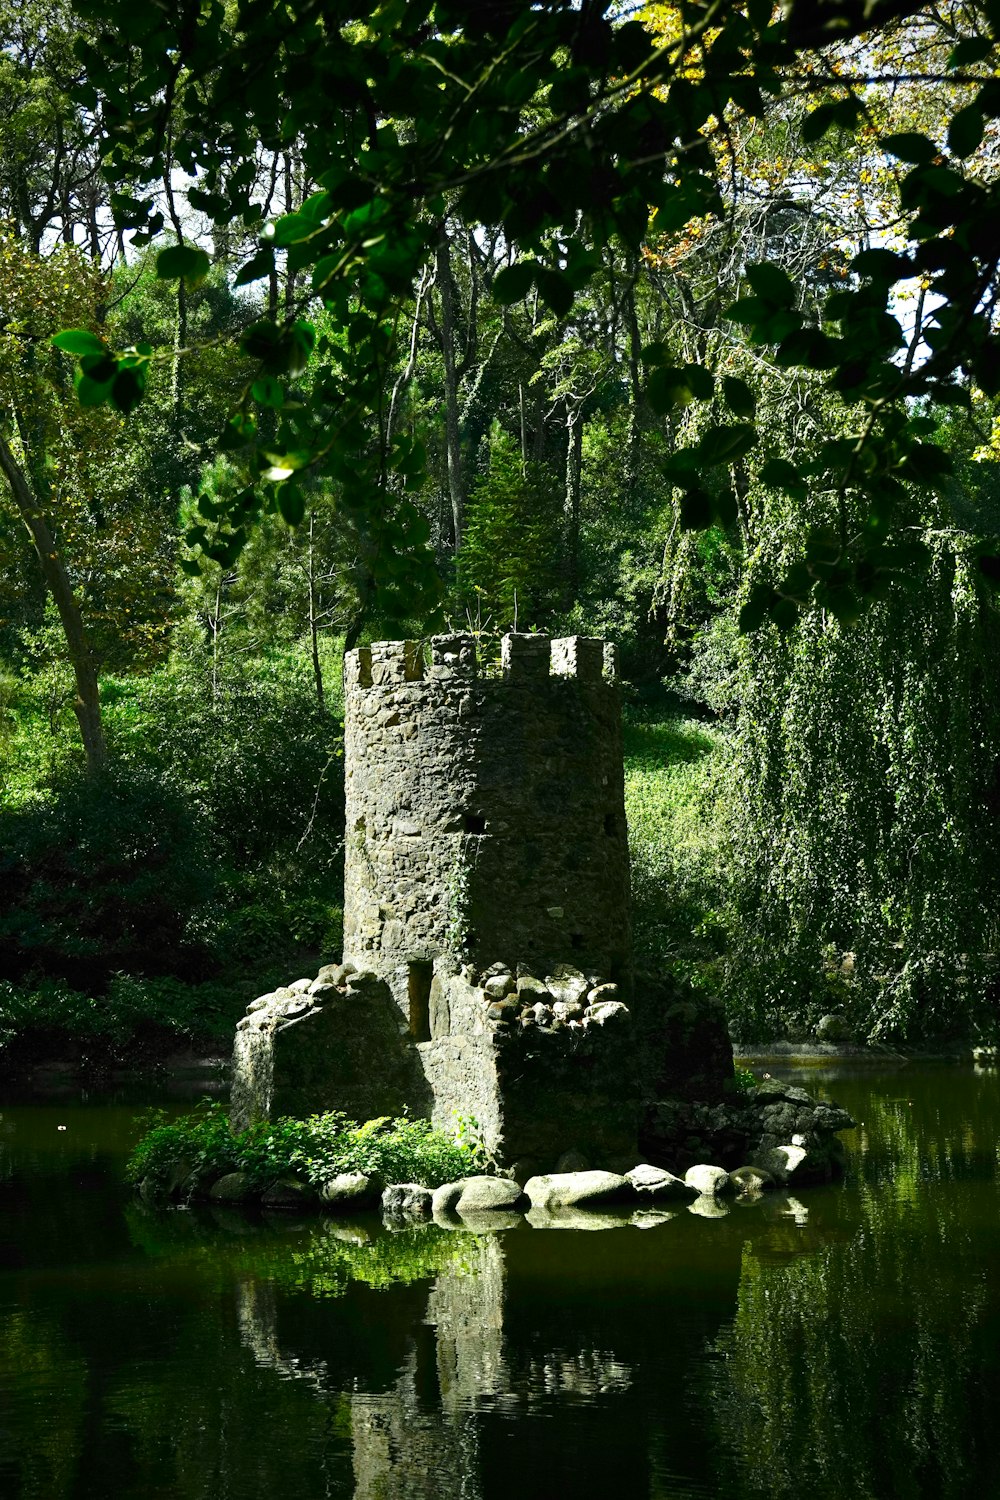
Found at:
(525, 656)
(578, 656)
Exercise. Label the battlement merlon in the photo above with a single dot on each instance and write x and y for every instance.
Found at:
(523, 657)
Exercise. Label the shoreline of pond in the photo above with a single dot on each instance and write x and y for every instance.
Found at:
(208, 1068)
(47, 1065)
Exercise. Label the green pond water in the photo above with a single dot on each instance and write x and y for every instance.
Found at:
(842, 1341)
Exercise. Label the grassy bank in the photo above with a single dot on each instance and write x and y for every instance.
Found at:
(678, 879)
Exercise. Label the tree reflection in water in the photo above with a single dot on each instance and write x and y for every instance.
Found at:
(839, 1341)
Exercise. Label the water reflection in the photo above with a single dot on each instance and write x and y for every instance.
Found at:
(840, 1341)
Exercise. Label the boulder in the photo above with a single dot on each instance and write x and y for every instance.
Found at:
(567, 985)
(578, 1190)
(612, 1011)
(789, 1164)
(301, 986)
(750, 1182)
(350, 1192)
(834, 1028)
(602, 994)
(288, 1192)
(445, 1197)
(323, 992)
(485, 1194)
(407, 1200)
(655, 1185)
(498, 986)
(503, 1012)
(709, 1181)
(532, 990)
(234, 1187)
(335, 974)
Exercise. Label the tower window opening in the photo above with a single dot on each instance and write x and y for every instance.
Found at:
(610, 824)
(418, 992)
(576, 940)
(474, 823)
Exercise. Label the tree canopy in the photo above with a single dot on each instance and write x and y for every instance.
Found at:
(565, 127)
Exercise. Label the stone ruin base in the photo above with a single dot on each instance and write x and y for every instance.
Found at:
(561, 1072)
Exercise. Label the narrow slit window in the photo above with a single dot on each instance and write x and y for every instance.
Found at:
(576, 940)
(474, 823)
(610, 825)
(421, 972)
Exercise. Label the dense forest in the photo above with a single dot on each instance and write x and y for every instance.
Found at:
(605, 420)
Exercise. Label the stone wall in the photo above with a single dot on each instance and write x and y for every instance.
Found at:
(485, 814)
(545, 1065)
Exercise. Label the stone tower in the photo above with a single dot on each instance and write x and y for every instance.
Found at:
(485, 812)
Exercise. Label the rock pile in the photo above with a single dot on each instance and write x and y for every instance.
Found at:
(565, 999)
(755, 1129)
(292, 1002)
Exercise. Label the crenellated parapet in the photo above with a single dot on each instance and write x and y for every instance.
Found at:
(445, 658)
(485, 807)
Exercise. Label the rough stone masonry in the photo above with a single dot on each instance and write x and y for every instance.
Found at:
(487, 967)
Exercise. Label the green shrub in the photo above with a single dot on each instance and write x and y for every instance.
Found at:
(103, 877)
(134, 1014)
(397, 1150)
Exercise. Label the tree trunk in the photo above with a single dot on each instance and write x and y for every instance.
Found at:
(313, 625)
(571, 503)
(452, 431)
(634, 439)
(87, 703)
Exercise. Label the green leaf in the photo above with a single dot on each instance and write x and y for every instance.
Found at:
(697, 512)
(781, 475)
(260, 340)
(910, 146)
(840, 113)
(555, 290)
(301, 340)
(785, 614)
(771, 284)
(185, 262)
(90, 392)
(682, 466)
(724, 444)
(739, 397)
(261, 264)
(267, 391)
(700, 382)
(79, 341)
(283, 465)
(763, 598)
(292, 228)
(127, 388)
(669, 386)
(725, 508)
(291, 503)
(884, 266)
(972, 50)
(811, 348)
(965, 133)
(513, 283)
